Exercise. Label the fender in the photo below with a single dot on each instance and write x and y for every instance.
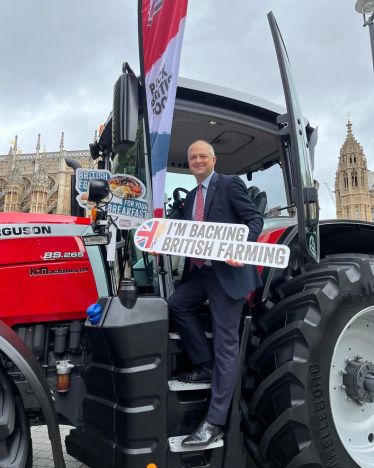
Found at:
(17, 350)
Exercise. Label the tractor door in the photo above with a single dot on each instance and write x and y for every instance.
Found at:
(294, 134)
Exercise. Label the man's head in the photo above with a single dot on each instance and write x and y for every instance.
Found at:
(201, 159)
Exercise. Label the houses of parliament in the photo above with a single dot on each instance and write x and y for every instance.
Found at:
(354, 183)
(38, 182)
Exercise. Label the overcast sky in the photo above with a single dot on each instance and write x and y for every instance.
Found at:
(60, 60)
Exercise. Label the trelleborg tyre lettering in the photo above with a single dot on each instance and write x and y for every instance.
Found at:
(287, 417)
(15, 437)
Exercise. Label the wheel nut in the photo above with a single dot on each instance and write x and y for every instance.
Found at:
(347, 360)
(358, 357)
(342, 387)
(342, 372)
(348, 399)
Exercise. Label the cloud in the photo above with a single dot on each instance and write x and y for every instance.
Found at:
(60, 61)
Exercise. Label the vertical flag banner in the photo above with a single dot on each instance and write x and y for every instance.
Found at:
(161, 29)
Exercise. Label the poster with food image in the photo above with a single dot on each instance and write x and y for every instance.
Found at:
(124, 201)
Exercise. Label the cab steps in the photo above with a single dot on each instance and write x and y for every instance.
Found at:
(179, 386)
(176, 336)
(175, 445)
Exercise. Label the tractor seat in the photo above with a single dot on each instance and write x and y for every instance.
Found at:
(260, 199)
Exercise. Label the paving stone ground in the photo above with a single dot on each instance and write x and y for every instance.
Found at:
(41, 446)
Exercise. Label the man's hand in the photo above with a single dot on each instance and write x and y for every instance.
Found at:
(234, 263)
(154, 254)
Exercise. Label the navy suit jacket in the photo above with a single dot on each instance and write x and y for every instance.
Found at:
(227, 201)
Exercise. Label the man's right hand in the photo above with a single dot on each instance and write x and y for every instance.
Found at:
(154, 254)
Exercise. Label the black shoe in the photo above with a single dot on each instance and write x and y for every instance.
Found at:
(199, 375)
(204, 435)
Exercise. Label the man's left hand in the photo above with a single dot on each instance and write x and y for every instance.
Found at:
(234, 263)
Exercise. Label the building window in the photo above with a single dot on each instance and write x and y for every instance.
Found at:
(345, 180)
(372, 215)
(354, 159)
(350, 160)
(348, 213)
(366, 215)
(354, 179)
(357, 214)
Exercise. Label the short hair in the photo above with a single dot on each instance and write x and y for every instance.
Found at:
(201, 141)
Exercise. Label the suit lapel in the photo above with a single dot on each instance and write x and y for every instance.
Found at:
(210, 194)
(189, 202)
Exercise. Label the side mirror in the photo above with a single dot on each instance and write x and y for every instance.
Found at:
(128, 292)
(97, 190)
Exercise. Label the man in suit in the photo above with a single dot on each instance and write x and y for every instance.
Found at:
(224, 199)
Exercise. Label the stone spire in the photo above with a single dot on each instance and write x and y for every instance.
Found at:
(37, 157)
(15, 176)
(350, 145)
(62, 143)
(15, 151)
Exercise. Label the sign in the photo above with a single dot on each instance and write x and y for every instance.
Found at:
(125, 201)
(160, 40)
(213, 241)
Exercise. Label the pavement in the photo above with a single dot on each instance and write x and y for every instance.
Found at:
(42, 450)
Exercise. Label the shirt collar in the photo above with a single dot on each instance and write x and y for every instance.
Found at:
(205, 183)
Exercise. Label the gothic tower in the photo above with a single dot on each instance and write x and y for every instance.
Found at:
(351, 183)
(13, 189)
(39, 187)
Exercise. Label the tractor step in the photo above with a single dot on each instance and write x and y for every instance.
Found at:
(179, 386)
(176, 336)
(175, 444)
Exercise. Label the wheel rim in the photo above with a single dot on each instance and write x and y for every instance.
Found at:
(354, 423)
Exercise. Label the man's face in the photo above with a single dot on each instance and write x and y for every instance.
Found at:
(201, 161)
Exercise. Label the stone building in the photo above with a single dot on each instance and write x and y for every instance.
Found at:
(354, 183)
(38, 182)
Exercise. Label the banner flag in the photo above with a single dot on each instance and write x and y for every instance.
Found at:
(161, 29)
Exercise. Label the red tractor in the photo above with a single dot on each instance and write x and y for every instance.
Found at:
(304, 395)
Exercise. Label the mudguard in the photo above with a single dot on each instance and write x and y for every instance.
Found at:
(17, 350)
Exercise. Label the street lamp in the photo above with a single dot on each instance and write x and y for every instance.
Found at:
(366, 7)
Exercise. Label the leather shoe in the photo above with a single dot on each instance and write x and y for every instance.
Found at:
(204, 435)
(198, 375)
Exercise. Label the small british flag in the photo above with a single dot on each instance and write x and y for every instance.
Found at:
(145, 235)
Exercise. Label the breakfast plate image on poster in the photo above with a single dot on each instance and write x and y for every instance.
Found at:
(124, 202)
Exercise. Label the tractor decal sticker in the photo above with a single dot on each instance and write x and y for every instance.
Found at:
(25, 231)
(17, 231)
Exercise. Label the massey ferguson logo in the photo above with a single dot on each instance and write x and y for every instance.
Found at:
(25, 231)
(160, 91)
(155, 7)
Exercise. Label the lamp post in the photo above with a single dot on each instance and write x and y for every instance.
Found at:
(366, 7)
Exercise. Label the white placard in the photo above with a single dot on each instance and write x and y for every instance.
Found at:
(213, 241)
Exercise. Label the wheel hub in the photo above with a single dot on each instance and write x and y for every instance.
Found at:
(358, 380)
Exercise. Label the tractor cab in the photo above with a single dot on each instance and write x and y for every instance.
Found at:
(135, 412)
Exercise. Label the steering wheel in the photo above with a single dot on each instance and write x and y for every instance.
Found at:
(177, 195)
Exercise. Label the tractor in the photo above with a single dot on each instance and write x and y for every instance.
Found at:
(87, 341)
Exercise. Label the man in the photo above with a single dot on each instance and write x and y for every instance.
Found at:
(217, 198)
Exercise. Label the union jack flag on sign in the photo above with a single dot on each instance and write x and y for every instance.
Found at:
(145, 236)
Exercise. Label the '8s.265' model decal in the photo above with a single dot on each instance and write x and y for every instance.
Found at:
(51, 255)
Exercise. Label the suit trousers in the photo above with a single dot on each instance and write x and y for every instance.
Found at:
(199, 286)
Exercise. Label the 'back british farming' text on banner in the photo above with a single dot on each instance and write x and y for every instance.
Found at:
(213, 241)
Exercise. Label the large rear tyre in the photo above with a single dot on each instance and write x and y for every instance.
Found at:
(15, 437)
(312, 403)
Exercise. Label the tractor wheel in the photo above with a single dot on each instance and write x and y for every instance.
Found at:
(15, 437)
(312, 398)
